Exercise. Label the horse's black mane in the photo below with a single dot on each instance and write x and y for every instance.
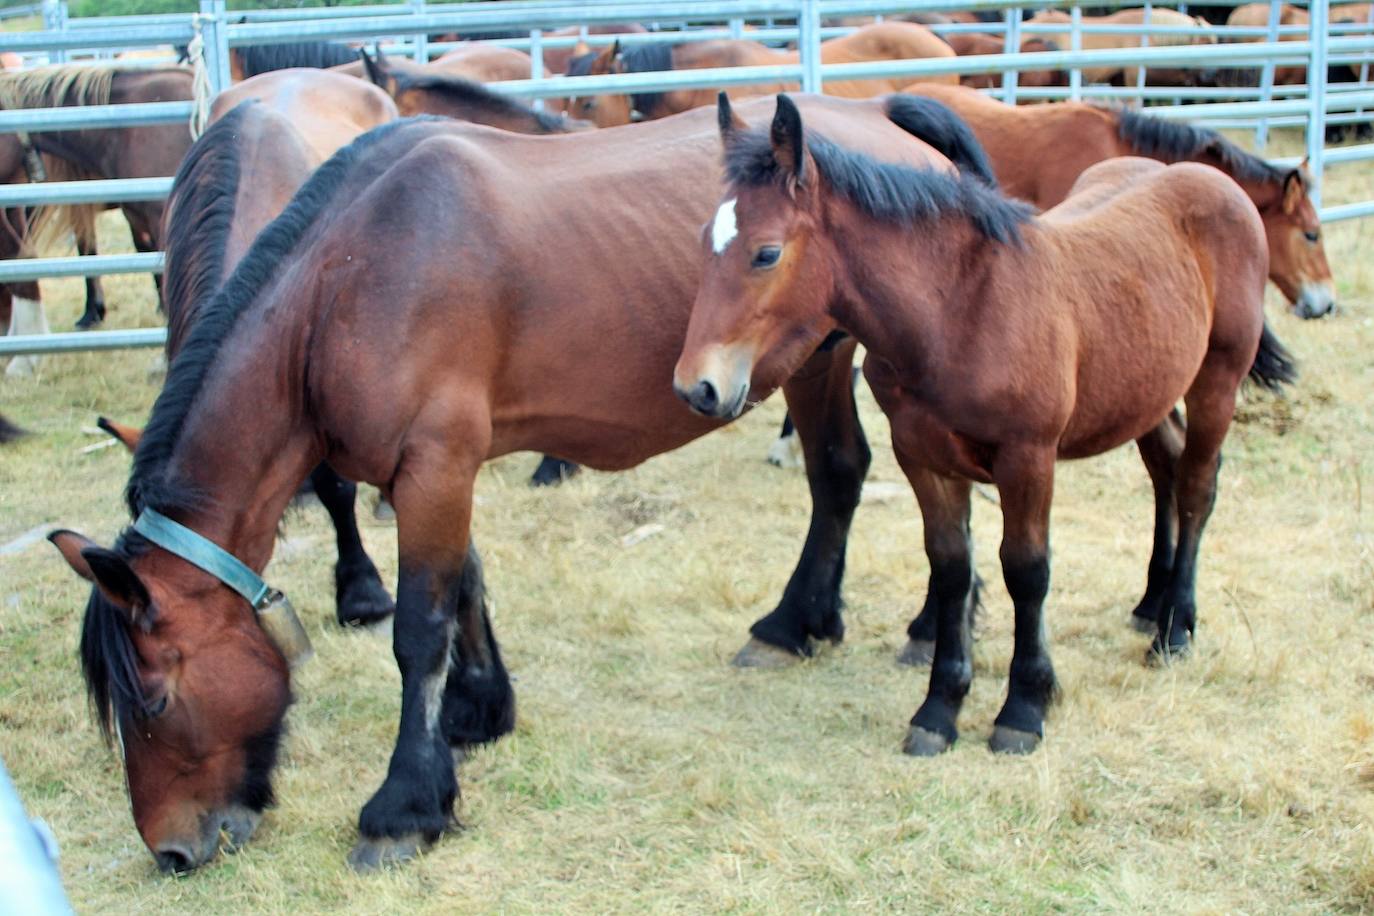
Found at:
(648, 58)
(204, 193)
(472, 93)
(886, 191)
(318, 55)
(1171, 141)
(149, 483)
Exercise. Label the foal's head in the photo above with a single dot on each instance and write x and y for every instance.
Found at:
(601, 110)
(185, 680)
(1297, 259)
(769, 275)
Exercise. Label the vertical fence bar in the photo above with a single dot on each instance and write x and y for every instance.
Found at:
(537, 62)
(1267, 75)
(736, 27)
(55, 20)
(421, 39)
(215, 37)
(1075, 45)
(1140, 71)
(1316, 96)
(1012, 45)
(809, 28)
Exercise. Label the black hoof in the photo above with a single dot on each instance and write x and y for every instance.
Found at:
(1142, 624)
(552, 471)
(362, 600)
(922, 743)
(92, 318)
(372, 854)
(1006, 740)
(759, 654)
(918, 653)
(1162, 655)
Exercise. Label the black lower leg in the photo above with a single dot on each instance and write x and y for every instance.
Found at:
(552, 471)
(951, 670)
(360, 596)
(1032, 684)
(1178, 619)
(479, 705)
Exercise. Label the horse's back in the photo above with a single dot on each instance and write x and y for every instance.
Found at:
(327, 109)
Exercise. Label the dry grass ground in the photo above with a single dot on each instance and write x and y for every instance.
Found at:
(647, 775)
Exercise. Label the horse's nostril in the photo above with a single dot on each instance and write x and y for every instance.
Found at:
(705, 398)
(173, 860)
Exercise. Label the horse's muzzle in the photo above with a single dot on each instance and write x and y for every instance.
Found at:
(230, 827)
(1315, 300)
(705, 398)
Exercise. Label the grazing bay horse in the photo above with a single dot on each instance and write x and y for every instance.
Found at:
(1039, 151)
(998, 343)
(416, 90)
(972, 44)
(436, 294)
(882, 41)
(151, 151)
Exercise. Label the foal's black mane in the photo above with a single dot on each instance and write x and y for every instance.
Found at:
(649, 58)
(318, 55)
(885, 191)
(468, 92)
(1171, 141)
(204, 193)
(149, 484)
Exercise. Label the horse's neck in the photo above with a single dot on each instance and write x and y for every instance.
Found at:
(246, 445)
(902, 289)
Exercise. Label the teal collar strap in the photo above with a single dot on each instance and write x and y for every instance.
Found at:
(202, 552)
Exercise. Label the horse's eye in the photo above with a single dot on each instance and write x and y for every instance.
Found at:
(766, 257)
(1313, 237)
(157, 707)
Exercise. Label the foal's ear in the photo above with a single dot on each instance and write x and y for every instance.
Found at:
(789, 144)
(110, 572)
(605, 61)
(128, 436)
(729, 122)
(1294, 189)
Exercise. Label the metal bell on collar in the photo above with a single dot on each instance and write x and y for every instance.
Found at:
(279, 621)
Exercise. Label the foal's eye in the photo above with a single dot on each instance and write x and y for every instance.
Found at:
(1313, 237)
(766, 257)
(157, 707)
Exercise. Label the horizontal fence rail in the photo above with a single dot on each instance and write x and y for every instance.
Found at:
(1261, 49)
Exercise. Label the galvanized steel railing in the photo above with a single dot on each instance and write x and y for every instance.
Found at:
(218, 31)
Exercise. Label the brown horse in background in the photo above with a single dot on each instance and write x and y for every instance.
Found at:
(971, 44)
(1137, 16)
(498, 344)
(998, 344)
(882, 41)
(152, 151)
(416, 90)
(1039, 151)
(21, 304)
(1256, 15)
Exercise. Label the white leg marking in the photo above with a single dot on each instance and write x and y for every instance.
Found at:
(26, 317)
(724, 230)
(435, 681)
(785, 452)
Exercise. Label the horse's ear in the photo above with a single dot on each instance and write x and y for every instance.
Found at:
(729, 122)
(379, 70)
(70, 545)
(128, 436)
(789, 143)
(605, 61)
(1295, 188)
(110, 572)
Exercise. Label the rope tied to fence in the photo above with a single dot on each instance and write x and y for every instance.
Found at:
(201, 91)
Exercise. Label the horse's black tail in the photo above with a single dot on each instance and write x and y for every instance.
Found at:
(1274, 366)
(934, 123)
(8, 431)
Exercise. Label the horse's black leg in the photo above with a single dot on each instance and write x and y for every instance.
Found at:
(920, 643)
(479, 705)
(1025, 479)
(95, 292)
(821, 400)
(944, 513)
(1159, 449)
(552, 471)
(360, 596)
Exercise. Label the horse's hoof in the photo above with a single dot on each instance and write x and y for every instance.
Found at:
(364, 612)
(1143, 624)
(759, 654)
(383, 511)
(923, 743)
(1161, 656)
(383, 852)
(89, 320)
(785, 452)
(1006, 740)
(21, 367)
(918, 653)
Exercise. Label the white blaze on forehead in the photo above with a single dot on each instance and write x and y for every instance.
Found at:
(724, 230)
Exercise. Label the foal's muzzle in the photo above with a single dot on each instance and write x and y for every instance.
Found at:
(705, 398)
(1315, 300)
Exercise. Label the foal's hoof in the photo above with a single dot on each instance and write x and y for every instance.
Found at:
(918, 653)
(1142, 624)
(90, 320)
(1162, 655)
(22, 367)
(383, 510)
(1012, 741)
(382, 852)
(363, 602)
(923, 743)
(759, 654)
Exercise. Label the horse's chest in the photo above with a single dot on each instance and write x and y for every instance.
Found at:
(925, 436)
